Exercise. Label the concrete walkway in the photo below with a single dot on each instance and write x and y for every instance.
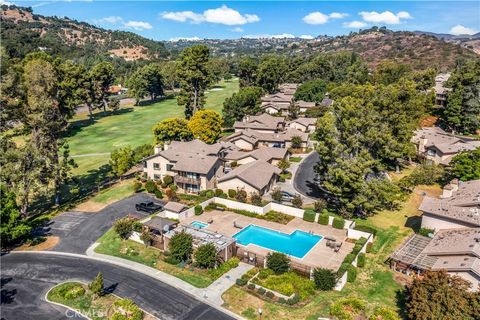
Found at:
(211, 294)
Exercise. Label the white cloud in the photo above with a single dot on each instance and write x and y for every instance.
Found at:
(183, 16)
(185, 39)
(237, 29)
(386, 17)
(138, 25)
(6, 3)
(306, 37)
(459, 29)
(110, 19)
(317, 17)
(354, 24)
(223, 15)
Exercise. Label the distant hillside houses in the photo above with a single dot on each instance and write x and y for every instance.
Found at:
(455, 243)
(440, 91)
(439, 147)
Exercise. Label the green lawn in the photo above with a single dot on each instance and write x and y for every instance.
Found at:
(91, 144)
(112, 244)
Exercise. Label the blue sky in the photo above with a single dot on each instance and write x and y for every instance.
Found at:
(165, 20)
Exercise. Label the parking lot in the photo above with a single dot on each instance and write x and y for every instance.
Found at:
(79, 230)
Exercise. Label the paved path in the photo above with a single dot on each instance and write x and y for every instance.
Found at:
(27, 276)
(304, 179)
(213, 292)
(79, 230)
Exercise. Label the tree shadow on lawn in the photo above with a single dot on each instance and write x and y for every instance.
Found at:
(401, 298)
(149, 102)
(414, 223)
(78, 125)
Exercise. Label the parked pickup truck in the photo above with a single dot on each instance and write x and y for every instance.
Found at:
(149, 207)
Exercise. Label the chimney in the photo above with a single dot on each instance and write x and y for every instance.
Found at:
(157, 149)
(166, 145)
(447, 191)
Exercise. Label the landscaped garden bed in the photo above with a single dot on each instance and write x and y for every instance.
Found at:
(111, 244)
(80, 298)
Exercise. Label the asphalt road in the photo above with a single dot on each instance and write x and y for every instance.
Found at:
(26, 277)
(304, 181)
(79, 230)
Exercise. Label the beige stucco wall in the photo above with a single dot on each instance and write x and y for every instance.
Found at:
(244, 145)
(298, 126)
(435, 222)
(271, 110)
(162, 171)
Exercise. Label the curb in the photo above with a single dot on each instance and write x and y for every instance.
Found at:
(124, 265)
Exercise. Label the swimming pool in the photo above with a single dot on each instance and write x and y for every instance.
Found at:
(198, 224)
(296, 244)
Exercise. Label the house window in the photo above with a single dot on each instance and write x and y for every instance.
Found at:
(156, 177)
(156, 166)
(145, 165)
(169, 167)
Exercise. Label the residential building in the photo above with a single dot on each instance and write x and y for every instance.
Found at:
(225, 245)
(440, 147)
(303, 106)
(458, 207)
(258, 176)
(277, 103)
(440, 91)
(252, 139)
(303, 124)
(267, 154)
(193, 165)
(456, 251)
(288, 88)
(261, 123)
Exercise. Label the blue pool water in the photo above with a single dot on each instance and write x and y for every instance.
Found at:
(296, 244)
(199, 225)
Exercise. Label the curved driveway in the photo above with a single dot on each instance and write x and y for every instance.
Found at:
(26, 277)
(304, 180)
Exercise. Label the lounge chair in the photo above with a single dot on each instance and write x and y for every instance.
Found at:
(236, 225)
(331, 239)
(338, 246)
(210, 221)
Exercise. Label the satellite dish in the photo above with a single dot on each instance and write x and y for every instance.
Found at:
(166, 228)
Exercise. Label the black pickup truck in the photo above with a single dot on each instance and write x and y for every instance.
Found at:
(149, 207)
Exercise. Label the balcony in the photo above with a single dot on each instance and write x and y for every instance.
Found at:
(188, 180)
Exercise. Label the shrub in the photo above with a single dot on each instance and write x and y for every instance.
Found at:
(96, 286)
(218, 192)
(264, 273)
(71, 291)
(123, 227)
(270, 294)
(366, 229)
(168, 180)
(206, 255)
(425, 231)
(209, 194)
(181, 246)
(278, 262)
(256, 199)
(384, 313)
(150, 186)
(137, 186)
(338, 223)
(126, 309)
(210, 207)
(282, 300)
(347, 308)
(309, 215)
(241, 282)
(296, 142)
(324, 279)
(171, 194)
(297, 201)
(171, 260)
(283, 165)
(319, 205)
(281, 178)
(158, 194)
(173, 187)
(251, 286)
(234, 164)
(343, 268)
(349, 258)
(323, 219)
(146, 237)
(276, 194)
(352, 273)
(261, 291)
(368, 249)
(232, 193)
(361, 260)
(223, 268)
(164, 185)
(241, 195)
(198, 210)
(294, 300)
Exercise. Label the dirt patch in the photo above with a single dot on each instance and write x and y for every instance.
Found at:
(402, 279)
(90, 206)
(49, 243)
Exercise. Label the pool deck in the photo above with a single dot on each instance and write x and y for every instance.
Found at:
(320, 256)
